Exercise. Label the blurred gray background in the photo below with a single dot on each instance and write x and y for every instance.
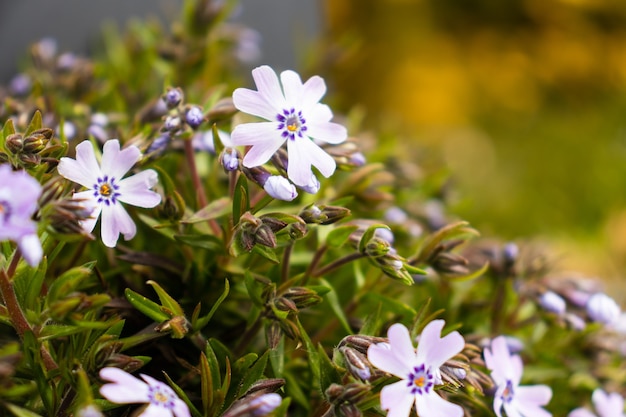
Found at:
(287, 27)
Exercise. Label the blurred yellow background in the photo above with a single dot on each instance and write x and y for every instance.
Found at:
(524, 101)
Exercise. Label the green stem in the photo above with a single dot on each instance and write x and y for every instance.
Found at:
(337, 263)
(284, 273)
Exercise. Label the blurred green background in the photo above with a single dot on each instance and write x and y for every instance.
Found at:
(524, 101)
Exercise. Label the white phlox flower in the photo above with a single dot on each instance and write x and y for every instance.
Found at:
(295, 115)
(107, 189)
(506, 372)
(605, 404)
(126, 389)
(418, 370)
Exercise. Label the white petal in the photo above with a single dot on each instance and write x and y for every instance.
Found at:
(263, 137)
(581, 412)
(292, 87)
(181, 409)
(115, 162)
(280, 188)
(327, 132)
(31, 249)
(256, 134)
(533, 395)
(136, 191)
(397, 399)
(252, 102)
(115, 220)
(510, 408)
(89, 200)
(155, 411)
(497, 402)
(124, 388)
(432, 405)
(396, 357)
(607, 404)
(83, 170)
(302, 154)
(313, 91)
(434, 350)
(268, 86)
(498, 358)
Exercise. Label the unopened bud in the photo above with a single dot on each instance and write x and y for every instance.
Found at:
(51, 191)
(194, 116)
(348, 410)
(14, 143)
(377, 247)
(265, 386)
(325, 215)
(172, 124)
(602, 309)
(285, 304)
(358, 365)
(230, 159)
(280, 188)
(173, 97)
(303, 297)
(223, 109)
(274, 223)
(264, 235)
(552, 302)
(361, 342)
(297, 230)
(312, 187)
(35, 143)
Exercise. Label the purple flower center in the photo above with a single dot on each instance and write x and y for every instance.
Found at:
(105, 190)
(508, 393)
(161, 395)
(291, 123)
(420, 380)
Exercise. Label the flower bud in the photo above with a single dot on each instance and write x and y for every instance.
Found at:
(223, 109)
(313, 186)
(358, 364)
(172, 124)
(254, 405)
(229, 159)
(361, 342)
(297, 231)
(14, 143)
(264, 386)
(285, 304)
(602, 309)
(552, 302)
(280, 188)
(377, 247)
(159, 144)
(264, 235)
(173, 97)
(194, 116)
(325, 215)
(35, 143)
(51, 191)
(302, 297)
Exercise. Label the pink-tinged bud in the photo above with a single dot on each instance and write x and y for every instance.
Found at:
(358, 365)
(602, 309)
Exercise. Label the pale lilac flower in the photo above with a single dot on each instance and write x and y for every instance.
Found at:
(18, 202)
(605, 404)
(418, 370)
(506, 372)
(126, 389)
(280, 188)
(264, 404)
(106, 190)
(294, 115)
(602, 309)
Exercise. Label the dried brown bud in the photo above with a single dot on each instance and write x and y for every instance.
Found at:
(302, 297)
(223, 109)
(178, 326)
(14, 143)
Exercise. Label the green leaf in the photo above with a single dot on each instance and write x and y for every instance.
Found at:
(452, 231)
(389, 304)
(267, 253)
(215, 209)
(255, 289)
(373, 322)
(35, 124)
(206, 384)
(182, 395)
(20, 412)
(240, 199)
(69, 281)
(338, 237)
(146, 306)
(203, 321)
(328, 371)
(314, 360)
(218, 145)
(166, 299)
(7, 129)
(333, 301)
(208, 242)
(254, 373)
